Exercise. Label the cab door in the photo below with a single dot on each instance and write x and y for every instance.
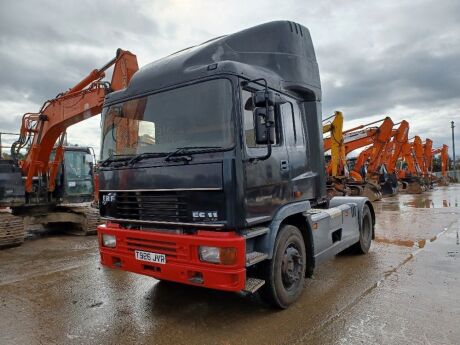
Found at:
(267, 181)
(302, 178)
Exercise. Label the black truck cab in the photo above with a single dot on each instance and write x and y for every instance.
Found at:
(203, 97)
(225, 136)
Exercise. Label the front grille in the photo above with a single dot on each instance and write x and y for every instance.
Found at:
(169, 248)
(152, 206)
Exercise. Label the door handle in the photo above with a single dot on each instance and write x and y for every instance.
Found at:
(284, 165)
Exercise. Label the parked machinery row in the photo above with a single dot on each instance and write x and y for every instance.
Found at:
(389, 161)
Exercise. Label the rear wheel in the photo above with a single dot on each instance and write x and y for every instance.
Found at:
(285, 273)
(365, 232)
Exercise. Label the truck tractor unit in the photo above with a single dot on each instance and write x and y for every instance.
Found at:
(212, 169)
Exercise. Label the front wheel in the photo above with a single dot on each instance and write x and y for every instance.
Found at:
(365, 232)
(285, 273)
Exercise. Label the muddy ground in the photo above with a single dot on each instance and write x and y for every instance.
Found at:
(406, 291)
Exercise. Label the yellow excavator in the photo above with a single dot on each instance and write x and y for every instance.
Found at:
(339, 181)
(336, 166)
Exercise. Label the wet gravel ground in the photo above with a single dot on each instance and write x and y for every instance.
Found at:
(405, 291)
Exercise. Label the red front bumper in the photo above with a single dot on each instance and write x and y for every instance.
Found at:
(183, 264)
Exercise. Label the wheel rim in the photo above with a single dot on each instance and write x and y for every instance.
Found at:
(291, 266)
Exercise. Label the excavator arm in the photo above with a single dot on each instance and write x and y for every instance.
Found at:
(399, 139)
(419, 154)
(337, 148)
(356, 138)
(444, 151)
(428, 157)
(45, 129)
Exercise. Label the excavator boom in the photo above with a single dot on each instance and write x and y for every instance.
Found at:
(44, 129)
(51, 192)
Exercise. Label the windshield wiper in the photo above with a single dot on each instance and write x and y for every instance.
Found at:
(145, 155)
(186, 149)
(114, 158)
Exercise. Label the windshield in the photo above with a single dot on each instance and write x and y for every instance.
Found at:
(194, 115)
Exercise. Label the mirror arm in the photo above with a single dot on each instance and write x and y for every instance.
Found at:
(267, 130)
(269, 149)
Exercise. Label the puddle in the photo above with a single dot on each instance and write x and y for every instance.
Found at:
(402, 243)
(410, 243)
(405, 201)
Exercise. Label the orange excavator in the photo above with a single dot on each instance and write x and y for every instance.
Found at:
(419, 152)
(428, 160)
(367, 165)
(370, 164)
(395, 147)
(356, 138)
(394, 151)
(38, 186)
(409, 170)
(444, 151)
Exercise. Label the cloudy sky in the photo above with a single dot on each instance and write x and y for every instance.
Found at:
(396, 58)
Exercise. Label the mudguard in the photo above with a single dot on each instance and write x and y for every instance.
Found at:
(360, 202)
(267, 243)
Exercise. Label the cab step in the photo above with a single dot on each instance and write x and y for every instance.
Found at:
(254, 232)
(254, 257)
(252, 285)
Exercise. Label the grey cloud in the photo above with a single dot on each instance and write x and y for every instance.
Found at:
(373, 57)
(50, 45)
(410, 77)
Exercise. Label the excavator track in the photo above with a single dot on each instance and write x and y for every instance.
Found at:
(12, 230)
(93, 220)
(89, 225)
(74, 220)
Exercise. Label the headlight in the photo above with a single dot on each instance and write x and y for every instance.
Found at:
(217, 255)
(109, 241)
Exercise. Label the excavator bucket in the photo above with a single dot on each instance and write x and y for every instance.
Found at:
(402, 186)
(367, 189)
(390, 186)
(415, 187)
(372, 192)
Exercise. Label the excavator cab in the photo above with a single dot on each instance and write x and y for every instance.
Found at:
(75, 178)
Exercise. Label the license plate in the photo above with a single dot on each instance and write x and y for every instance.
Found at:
(150, 257)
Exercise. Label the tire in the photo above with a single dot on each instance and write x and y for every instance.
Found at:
(365, 233)
(284, 274)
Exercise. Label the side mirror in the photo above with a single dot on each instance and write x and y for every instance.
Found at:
(264, 125)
